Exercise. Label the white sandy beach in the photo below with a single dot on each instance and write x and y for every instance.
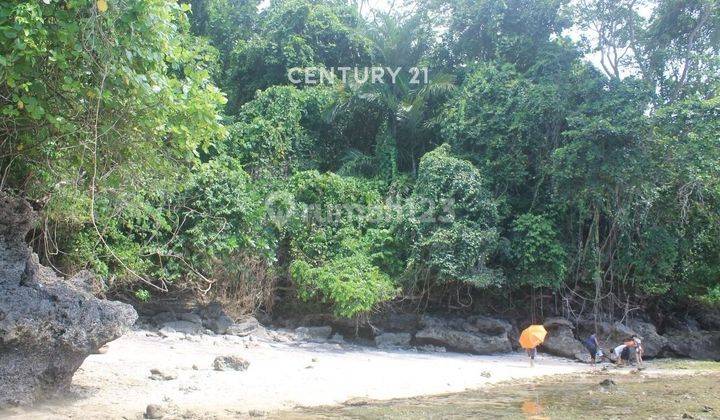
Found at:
(281, 376)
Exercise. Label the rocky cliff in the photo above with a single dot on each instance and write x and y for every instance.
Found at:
(48, 325)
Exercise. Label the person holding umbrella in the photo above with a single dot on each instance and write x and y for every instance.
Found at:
(530, 338)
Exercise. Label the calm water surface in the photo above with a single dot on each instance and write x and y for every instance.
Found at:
(633, 396)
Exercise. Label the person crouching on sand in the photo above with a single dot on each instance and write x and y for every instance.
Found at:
(624, 350)
(622, 353)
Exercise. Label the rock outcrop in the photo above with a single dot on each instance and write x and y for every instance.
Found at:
(653, 343)
(561, 341)
(479, 335)
(704, 345)
(215, 319)
(315, 334)
(391, 339)
(612, 334)
(244, 327)
(48, 325)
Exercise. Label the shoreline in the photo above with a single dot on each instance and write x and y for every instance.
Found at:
(281, 376)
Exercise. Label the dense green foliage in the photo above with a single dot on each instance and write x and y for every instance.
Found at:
(519, 167)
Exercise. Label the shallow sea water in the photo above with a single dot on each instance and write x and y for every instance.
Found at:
(634, 395)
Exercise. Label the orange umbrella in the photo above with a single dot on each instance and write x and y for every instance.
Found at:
(532, 336)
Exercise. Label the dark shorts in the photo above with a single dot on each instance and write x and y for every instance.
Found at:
(591, 349)
(625, 355)
(532, 352)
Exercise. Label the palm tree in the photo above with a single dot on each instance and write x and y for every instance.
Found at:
(400, 42)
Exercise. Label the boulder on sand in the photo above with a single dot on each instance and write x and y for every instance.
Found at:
(460, 335)
(161, 318)
(317, 334)
(612, 334)
(244, 327)
(48, 326)
(230, 363)
(652, 342)
(704, 345)
(560, 340)
(393, 340)
(215, 319)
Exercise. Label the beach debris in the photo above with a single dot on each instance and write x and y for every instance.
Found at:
(707, 409)
(485, 374)
(230, 363)
(256, 413)
(161, 375)
(188, 389)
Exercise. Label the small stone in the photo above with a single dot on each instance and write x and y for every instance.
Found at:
(195, 367)
(230, 363)
(160, 375)
(153, 411)
(485, 374)
(166, 332)
(256, 413)
(607, 382)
